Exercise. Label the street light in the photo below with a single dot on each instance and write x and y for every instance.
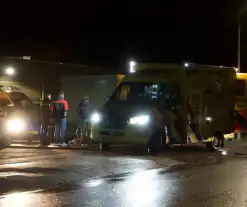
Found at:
(241, 12)
(10, 71)
(132, 65)
(239, 43)
(186, 65)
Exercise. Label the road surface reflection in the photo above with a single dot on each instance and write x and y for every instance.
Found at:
(140, 189)
(20, 199)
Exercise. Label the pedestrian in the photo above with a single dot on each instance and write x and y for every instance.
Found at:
(46, 121)
(84, 111)
(60, 111)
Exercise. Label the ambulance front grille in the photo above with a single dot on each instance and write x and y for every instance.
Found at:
(114, 123)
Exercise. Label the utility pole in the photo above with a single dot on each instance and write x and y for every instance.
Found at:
(242, 11)
(239, 43)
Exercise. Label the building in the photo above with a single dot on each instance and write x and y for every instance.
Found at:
(37, 78)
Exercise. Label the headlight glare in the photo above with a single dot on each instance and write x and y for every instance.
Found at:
(139, 120)
(95, 118)
(15, 125)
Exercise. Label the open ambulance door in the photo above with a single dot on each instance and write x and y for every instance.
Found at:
(196, 115)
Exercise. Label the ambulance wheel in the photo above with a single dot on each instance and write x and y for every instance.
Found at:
(157, 142)
(217, 141)
(104, 146)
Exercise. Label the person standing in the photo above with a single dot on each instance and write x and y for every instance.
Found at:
(60, 111)
(84, 110)
(46, 121)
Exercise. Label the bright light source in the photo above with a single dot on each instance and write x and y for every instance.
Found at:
(186, 65)
(236, 70)
(139, 120)
(10, 71)
(209, 119)
(95, 183)
(15, 125)
(132, 65)
(95, 118)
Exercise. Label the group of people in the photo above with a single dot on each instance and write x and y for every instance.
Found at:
(54, 113)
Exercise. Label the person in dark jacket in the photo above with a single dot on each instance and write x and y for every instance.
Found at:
(59, 114)
(84, 110)
(46, 121)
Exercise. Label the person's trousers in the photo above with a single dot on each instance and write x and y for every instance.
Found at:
(85, 126)
(60, 130)
(45, 127)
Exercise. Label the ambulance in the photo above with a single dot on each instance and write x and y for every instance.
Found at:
(166, 104)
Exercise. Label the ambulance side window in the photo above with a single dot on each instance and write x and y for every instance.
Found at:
(124, 93)
(115, 95)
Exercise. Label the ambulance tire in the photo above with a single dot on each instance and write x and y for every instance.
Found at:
(218, 140)
(104, 146)
(157, 142)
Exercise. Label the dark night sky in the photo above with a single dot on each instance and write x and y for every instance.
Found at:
(108, 33)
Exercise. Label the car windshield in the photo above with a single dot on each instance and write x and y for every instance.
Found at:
(145, 93)
(18, 98)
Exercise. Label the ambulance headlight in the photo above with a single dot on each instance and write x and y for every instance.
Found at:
(139, 120)
(95, 118)
(15, 125)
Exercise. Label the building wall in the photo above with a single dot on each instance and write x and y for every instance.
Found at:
(76, 81)
(97, 87)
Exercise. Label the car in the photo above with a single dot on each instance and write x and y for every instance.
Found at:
(21, 120)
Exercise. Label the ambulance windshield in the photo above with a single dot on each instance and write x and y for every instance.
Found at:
(145, 93)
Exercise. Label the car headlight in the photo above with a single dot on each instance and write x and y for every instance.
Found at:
(15, 125)
(139, 120)
(95, 118)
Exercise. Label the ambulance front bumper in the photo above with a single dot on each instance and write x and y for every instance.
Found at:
(131, 134)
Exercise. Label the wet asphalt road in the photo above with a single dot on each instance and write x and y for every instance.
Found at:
(178, 177)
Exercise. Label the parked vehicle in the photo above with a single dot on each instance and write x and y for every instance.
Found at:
(164, 104)
(22, 120)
